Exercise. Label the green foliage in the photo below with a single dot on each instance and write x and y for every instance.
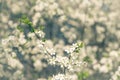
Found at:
(41, 27)
(20, 28)
(118, 77)
(83, 75)
(87, 59)
(43, 39)
(25, 20)
(79, 46)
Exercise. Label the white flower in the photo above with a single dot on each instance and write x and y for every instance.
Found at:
(31, 35)
(104, 69)
(22, 39)
(11, 38)
(38, 65)
(116, 75)
(52, 61)
(41, 34)
(51, 51)
(70, 50)
(4, 41)
(15, 63)
(63, 61)
(59, 77)
(114, 54)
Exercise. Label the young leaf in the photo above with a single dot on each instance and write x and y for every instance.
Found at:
(80, 45)
(41, 27)
(20, 28)
(31, 28)
(87, 59)
(43, 39)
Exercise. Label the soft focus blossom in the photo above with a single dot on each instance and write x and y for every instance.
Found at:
(25, 57)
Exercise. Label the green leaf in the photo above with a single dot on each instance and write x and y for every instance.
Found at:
(82, 75)
(31, 28)
(80, 45)
(43, 39)
(25, 20)
(20, 28)
(87, 59)
(77, 50)
(42, 27)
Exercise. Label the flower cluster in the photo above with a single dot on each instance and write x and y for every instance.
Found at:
(27, 56)
(63, 77)
(116, 75)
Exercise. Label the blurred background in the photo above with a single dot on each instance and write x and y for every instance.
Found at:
(95, 22)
